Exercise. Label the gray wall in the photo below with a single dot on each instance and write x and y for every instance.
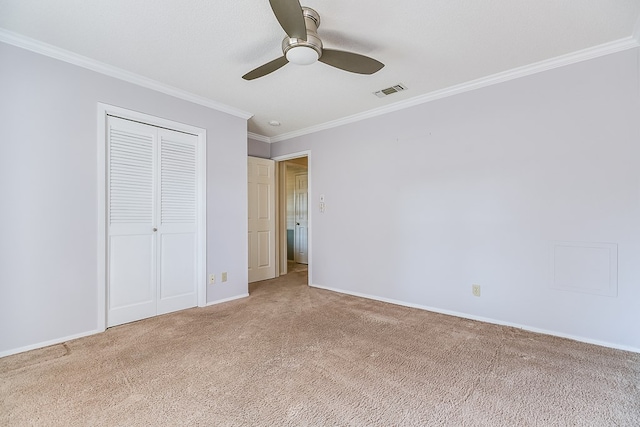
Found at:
(476, 188)
(257, 148)
(48, 188)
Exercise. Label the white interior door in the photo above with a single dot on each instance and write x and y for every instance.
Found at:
(131, 196)
(177, 219)
(302, 219)
(151, 226)
(261, 217)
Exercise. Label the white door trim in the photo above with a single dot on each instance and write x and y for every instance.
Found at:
(105, 110)
(307, 154)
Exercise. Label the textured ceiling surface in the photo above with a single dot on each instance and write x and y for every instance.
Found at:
(204, 47)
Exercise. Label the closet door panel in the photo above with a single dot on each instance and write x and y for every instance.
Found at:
(177, 270)
(132, 290)
(131, 189)
(177, 207)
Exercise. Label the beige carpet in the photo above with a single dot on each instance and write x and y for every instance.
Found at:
(294, 267)
(297, 356)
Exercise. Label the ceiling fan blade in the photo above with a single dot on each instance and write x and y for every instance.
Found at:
(267, 68)
(289, 15)
(349, 61)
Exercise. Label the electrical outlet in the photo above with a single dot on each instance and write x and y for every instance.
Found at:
(212, 279)
(224, 276)
(475, 289)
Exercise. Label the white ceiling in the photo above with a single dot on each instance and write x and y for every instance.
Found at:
(204, 47)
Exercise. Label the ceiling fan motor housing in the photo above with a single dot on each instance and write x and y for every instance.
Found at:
(291, 47)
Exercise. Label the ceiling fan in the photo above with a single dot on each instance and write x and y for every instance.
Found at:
(303, 46)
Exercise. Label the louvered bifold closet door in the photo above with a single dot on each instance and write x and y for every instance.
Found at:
(131, 201)
(152, 187)
(177, 235)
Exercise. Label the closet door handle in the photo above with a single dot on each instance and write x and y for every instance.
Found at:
(155, 229)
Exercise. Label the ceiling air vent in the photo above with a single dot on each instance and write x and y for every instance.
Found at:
(388, 91)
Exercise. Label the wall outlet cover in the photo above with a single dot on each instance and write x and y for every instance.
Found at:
(475, 289)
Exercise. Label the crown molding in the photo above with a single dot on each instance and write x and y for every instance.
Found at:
(258, 137)
(36, 46)
(527, 70)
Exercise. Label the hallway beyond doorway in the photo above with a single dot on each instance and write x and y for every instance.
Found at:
(294, 267)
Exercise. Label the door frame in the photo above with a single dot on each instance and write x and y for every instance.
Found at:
(105, 110)
(282, 234)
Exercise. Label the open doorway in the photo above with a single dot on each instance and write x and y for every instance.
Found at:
(296, 212)
(293, 214)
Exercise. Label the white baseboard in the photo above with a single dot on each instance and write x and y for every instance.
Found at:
(483, 319)
(85, 334)
(49, 343)
(220, 301)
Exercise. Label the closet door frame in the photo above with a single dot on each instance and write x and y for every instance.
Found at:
(105, 110)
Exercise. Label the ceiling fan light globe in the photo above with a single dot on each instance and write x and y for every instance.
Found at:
(302, 55)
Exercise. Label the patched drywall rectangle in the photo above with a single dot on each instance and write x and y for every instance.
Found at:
(585, 267)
